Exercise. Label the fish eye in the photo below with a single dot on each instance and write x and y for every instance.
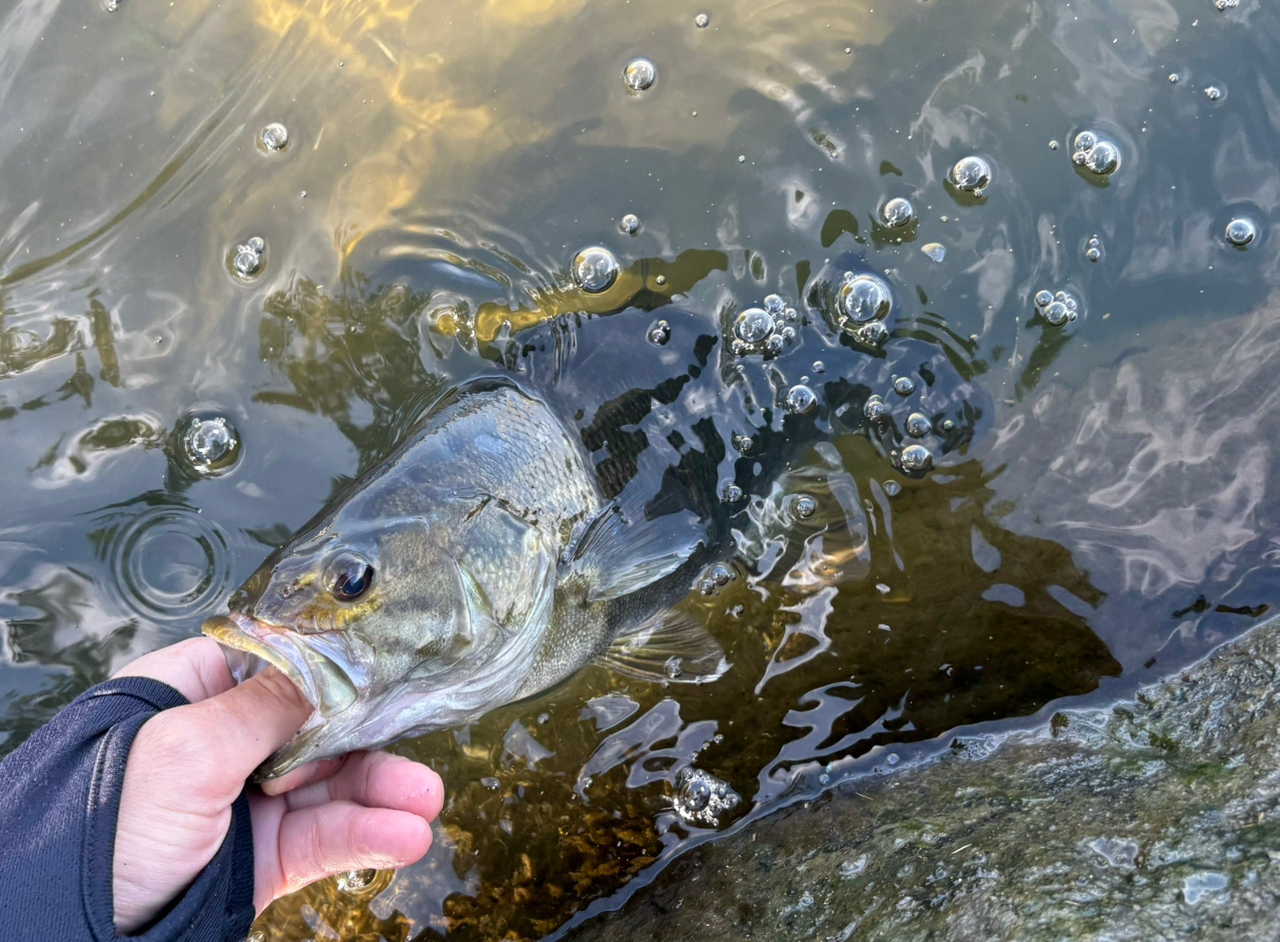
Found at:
(350, 578)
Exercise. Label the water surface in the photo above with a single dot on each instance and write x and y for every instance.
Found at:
(1097, 509)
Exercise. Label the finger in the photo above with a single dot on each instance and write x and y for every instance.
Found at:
(338, 837)
(195, 668)
(304, 774)
(240, 728)
(376, 780)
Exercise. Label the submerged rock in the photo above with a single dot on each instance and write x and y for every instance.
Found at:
(1156, 819)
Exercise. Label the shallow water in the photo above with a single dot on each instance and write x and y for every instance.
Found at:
(1097, 510)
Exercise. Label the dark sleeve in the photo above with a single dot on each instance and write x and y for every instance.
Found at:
(59, 799)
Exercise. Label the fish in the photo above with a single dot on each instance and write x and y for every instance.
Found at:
(477, 565)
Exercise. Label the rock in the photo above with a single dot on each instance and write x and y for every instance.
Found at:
(1156, 819)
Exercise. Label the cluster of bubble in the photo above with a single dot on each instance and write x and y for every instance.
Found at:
(971, 175)
(1241, 231)
(701, 798)
(1093, 250)
(639, 74)
(1096, 154)
(767, 329)
(719, 576)
(246, 260)
(595, 269)
(863, 302)
(659, 333)
(913, 457)
(1056, 307)
(210, 443)
(1226, 4)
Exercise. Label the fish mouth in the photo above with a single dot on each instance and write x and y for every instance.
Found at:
(329, 668)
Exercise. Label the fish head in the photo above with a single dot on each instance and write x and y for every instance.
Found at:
(361, 622)
(389, 627)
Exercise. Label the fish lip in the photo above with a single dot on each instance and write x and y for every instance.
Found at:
(327, 671)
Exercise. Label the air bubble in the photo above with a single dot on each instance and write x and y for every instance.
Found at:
(1056, 314)
(775, 344)
(673, 667)
(800, 399)
(863, 298)
(743, 443)
(595, 269)
(819, 366)
(893, 488)
(935, 250)
(275, 136)
(660, 333)
(754, 325)
(702, 21)
(1241, 231)
(639, 74)
(803, 507)
(355, 881)
(706, 587)
(775, 305)
(701, 798)
(918, 425)
(875, 408)
(897, 212)
(1103, 159)
(904, 385)
(210, 444)
(1044, 298)
(1173, 78)
(720, 574)
(916, 458)
(247, 259)
(731, 494)
(1213, 92)
(971, 175)
(629, 224)
(1096, 154)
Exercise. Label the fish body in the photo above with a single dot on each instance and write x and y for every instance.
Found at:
(477, 565)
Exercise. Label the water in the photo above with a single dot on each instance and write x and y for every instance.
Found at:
(1047, 541)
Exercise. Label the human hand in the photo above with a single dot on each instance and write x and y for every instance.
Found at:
(188, 764)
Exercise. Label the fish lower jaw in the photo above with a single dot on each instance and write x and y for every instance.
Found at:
(249, 645)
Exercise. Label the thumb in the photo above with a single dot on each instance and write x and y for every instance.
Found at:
(239, 729)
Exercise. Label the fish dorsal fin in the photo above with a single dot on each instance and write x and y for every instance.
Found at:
(670, 647)
(616, 556)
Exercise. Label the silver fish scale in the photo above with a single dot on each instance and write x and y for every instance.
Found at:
(497, 444)
(514, 449)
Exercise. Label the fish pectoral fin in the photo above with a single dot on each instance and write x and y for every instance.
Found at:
(671, 647)
(616, 557)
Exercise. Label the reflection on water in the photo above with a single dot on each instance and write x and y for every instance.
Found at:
(962, 453)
